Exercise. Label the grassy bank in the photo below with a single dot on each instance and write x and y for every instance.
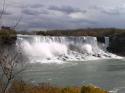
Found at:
(22, 87)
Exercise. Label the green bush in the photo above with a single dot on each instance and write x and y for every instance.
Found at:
(7, 36)
(92, 89)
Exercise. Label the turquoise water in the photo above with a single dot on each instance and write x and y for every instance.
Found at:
(108, 74)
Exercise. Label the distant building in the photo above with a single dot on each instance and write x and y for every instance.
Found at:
(5, 28)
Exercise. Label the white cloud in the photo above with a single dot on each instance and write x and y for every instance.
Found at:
(56, 13)
(77, 15)
(111, 10)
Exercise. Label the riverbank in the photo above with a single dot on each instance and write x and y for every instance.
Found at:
(22, 87)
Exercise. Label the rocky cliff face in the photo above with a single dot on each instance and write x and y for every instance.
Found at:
(117, 44)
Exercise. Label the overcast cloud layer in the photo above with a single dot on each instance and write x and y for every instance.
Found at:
(64, 14)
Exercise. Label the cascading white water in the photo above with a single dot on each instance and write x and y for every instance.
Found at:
(44, 48)
(107, 41)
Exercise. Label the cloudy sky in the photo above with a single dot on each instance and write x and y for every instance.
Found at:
(64, 14)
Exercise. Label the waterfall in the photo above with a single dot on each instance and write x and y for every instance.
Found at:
(107, 41)
(70, 48)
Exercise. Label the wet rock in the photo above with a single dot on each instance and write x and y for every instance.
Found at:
(98, 55)
(66, 57)
(94, 55)
(63, 59)
(48, 58)
(117, 45)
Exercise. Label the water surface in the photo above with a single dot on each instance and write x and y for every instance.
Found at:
(108, 74)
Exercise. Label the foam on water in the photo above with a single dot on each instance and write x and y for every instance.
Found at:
(118, 90)
(47, 49)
